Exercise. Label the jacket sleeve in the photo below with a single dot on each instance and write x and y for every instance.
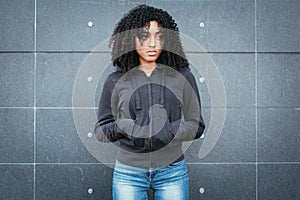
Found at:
(192, 126)
(106, 129)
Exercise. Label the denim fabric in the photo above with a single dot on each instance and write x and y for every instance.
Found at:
(168, 183)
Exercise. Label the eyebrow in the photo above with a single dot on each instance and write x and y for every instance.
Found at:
(158, 32)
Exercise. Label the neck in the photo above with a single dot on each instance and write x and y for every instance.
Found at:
(148, 68)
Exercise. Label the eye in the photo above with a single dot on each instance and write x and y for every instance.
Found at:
(144, 36)
(159, 36)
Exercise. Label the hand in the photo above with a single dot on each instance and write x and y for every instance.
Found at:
(125, 127)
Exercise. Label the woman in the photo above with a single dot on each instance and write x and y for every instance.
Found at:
(150, 105)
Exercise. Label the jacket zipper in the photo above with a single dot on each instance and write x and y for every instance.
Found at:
(150, 103)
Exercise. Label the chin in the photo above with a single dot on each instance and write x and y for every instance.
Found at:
(151, 59)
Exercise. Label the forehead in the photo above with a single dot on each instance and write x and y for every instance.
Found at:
(153, 26)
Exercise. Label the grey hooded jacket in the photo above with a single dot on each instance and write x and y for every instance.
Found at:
(151, 116)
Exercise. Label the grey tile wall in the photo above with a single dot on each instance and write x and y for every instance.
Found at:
(278, 26)
(238, 76)
(17, 79)
(16, 181)
(17, 25)
(254, 44)
(238, 73)
(74, 181)
(278, 181)
(57, 140)
(223, 31)
(17, 138)
(56, 74)
(63, 25)
(282, 124)
(278, 80)
(235, 144)
(222, 181)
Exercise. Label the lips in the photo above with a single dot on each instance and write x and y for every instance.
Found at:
(151, 53)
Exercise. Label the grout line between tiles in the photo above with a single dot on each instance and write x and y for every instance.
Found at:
(243, 163)
(256, 103)
(34, 107)
(188, 163)
(204, 107)
(191, 52)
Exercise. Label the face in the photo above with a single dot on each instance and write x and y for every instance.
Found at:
(149, 43)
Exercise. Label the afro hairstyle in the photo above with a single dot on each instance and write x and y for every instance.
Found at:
(122, 40)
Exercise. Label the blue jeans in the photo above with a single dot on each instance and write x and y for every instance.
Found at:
(168, 183)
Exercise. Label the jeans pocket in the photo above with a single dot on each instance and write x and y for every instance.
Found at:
(176, 164)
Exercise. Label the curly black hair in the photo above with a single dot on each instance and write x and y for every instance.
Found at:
(122, 40)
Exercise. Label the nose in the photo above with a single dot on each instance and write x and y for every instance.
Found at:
(152, 42)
